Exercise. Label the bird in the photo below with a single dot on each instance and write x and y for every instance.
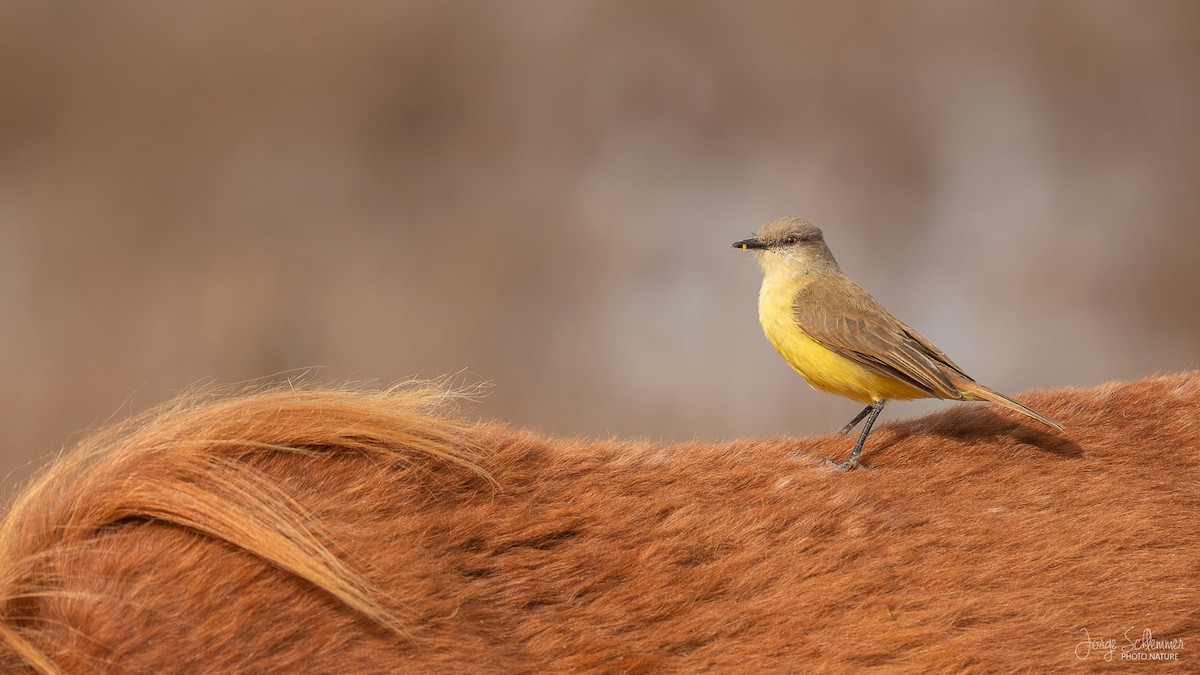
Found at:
(842, 341)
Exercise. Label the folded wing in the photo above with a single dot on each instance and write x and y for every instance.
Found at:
(844, 318)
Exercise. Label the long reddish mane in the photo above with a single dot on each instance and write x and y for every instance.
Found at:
(335, 530)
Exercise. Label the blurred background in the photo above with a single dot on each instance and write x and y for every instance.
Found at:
(542, 194)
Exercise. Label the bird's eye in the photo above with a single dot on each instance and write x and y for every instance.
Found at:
(789, 240)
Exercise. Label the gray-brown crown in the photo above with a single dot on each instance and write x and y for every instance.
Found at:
(788, 229)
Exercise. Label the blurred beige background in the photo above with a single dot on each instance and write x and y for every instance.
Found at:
(544, 193)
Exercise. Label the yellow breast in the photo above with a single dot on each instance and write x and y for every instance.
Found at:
(824, 369)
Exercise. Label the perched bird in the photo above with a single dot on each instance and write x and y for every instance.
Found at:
(841, 340)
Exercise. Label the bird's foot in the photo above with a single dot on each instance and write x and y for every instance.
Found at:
(847, 465)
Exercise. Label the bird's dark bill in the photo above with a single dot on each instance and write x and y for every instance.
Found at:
(747, 244)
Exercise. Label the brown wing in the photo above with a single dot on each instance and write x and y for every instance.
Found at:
(930, 349)
(844, 318)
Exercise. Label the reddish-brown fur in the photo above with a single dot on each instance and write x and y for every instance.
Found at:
(340, 531)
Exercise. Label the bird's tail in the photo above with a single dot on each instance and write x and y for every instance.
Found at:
(977, 392)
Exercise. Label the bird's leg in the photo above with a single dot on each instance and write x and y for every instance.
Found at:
(857, 418)
(876, 408)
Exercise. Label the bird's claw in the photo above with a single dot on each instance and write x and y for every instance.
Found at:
(846, 465)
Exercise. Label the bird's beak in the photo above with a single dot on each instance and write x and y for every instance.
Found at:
(747, 244)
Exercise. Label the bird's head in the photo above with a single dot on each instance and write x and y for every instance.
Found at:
(789, 244)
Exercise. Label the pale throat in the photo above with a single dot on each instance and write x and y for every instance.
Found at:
(780, 273)
(782, 279)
